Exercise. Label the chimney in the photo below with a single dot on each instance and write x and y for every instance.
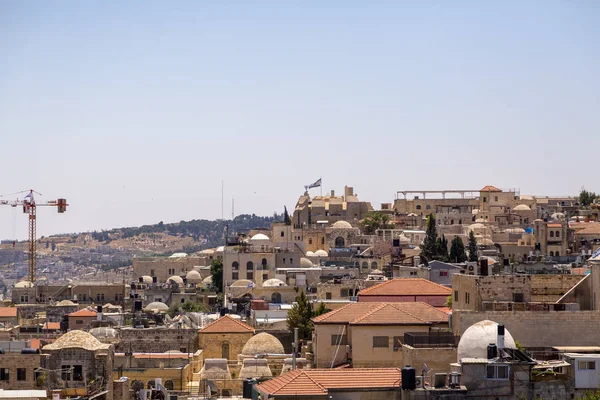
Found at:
(333, 193)
(99, 313)
(500, 337)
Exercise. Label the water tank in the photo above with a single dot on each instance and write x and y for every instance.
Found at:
(30, 351)
(247, 388)
(492, 351)
(484, 266)
(1, 350)
(137, 305)
(409, 378)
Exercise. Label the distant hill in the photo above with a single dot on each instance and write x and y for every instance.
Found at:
(204, 233)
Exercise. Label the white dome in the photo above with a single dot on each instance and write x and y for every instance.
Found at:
(176, 279)
(342, 225)
(23, 284)
(305, 263)
(208, 280)
(157, 305)
(514, 230)
(259, 237)
(193, 277)
(473, 343)
(178, 255)
(558, 216)
(310, 254)
(207, 252)
(274, 283)
(147, 279)
(522, 207)
(220, 249)
(321, 253)
(412, 215)
(241, 283)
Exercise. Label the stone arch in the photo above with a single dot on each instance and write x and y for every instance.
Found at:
(169, 385)
(225, 348)
(276, 298)
(374, 265)
(339, 241)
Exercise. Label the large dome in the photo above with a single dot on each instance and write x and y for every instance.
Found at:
(176, 279)
(157, 305)
(193, 277)
(263, 343)
(242, 283)
(259, 238)
(474, 342)
(522, 207)
(103, 332)
(321, 253)
(76, 339)
(305, 263)
(274, 282)
(24, 284)
(146, 279)
(310, 254)
(342, 225)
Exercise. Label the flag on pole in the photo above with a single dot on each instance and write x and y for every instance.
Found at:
(316, 184)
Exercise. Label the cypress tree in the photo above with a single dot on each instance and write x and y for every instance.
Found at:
(473, 256)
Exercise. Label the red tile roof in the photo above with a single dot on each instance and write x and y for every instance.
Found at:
(52, 326)
(554, 225)
(315, 382)
(490, 188)
(447, 310)
(392, 313)
(227, 324)
(8, 312)
(406, 287)
(83, 313)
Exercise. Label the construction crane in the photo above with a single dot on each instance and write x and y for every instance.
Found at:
(30, 207)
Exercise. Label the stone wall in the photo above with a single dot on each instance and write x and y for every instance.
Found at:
(14, 361)
(438, 360)
(157, 340)
(121, 389)
(212, 344)
(538, 329)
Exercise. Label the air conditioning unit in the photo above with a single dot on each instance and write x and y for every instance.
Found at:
(419, 382)
(471, 268)
(353, 298)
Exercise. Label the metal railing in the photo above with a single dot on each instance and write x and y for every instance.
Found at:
(431, 339)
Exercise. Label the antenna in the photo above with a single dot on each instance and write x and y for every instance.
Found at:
(222, 186)
(232, 208)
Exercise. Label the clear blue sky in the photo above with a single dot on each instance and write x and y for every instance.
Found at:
(135, 111)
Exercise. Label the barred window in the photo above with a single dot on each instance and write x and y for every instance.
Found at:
(381, 341)
(339, 340)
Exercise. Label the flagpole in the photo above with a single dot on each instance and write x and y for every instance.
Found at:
(321, 186)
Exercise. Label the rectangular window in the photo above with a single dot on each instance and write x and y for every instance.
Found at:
(344, 293)
(467, 298)
(328, 296)
(456, 295)
(397, 342)
(381, 341)
(21, 374)
(443, 273)
(497, 372)
(25, 299)
(585, 365)
(339, 340)
(78, 322)
(265, 277)
(151, 272)
(250, 275)
(518, 297)
(4, 374)
(77, 372)
(65, 372)
(235, 276)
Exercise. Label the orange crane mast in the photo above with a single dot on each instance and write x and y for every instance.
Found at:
(30, 208)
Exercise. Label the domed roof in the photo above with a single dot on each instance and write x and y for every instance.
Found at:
(176, 279)
(23, 284)
(526, 197)
(178, 255)
(274, 283)
(76, 339)
(241, 283)
(103, 332)
(208, 252)
(65, 303)
(157, 305)
(342, 225)
(259, 237)
(473, 343)
(147, 279)
(476, 226)
(321, 253)
(305, 263)
(310, 254)
(412, 215)
(263, 343)
(193, 277)
(514, 230)
(220, 249)
(207, 280)
(522, 207)
(558, 215)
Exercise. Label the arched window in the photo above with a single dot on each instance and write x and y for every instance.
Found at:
(460, 221)
(276, 298)
(374, 265)
(418, 206)
(557, 233)
(322, 240)
(309, 241)
(235, 266)
(264, 263)
(339, 241)
(169, 385)
(551, 254)
(225, 350)
(249, 265)
(428, 207)
(557, 253)
(551, 233)
(365, 265)
(451, 222)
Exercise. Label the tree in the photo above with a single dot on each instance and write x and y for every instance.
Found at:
(473, 256)
(375, 220)
(300, 316)
(591, 395)
(586, 198)
(449, 301)
(286, 217)
(442, 249)
(216, 271)
(457, 250)
(321, 309)
(188, 306)
(429, 249)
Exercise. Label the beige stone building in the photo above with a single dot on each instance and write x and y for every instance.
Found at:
(162, 268)
(552, 237)
(19, 371)
(81, 292)
(370, 334)
(224, 338)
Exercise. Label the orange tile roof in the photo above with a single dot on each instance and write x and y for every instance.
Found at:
(388, 313)
(83, 313)
(406, 287)
(447, 310)
(554, 225)
(591, 229)
(317, 382)
(35, 343)
(8, 312)
(490, 188)
(52, 325)
(227, 324)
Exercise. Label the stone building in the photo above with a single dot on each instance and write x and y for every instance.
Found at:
(407, 290)
(81, 292)
(19, 371)
(162, 268)
(225, 338)
(157, 340)
(78, 360)
(81, 319)
(552, 237)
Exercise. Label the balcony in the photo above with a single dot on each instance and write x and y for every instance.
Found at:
(421, 340)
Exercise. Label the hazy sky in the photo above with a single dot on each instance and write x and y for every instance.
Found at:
(135, 111)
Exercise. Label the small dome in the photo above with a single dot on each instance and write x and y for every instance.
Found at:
(483, 241)
(23, 284)
(259, 237)
(526, 198)
(473, 343)
(263, 343)
(147, 279)
(76, 339)
(178, 255)
(103, 332)
(193, 277)
(157, 305)
(242, 283)
(558, 216)
(220, 249)
(321, 253)
(514, 230)
(342, 225)
(310, 254)
(207, 252)
(412, 215)
(274, 283)
(522, 207)
(376, 272)
(176, 279)
(305, 263)
(65, 303)
(207, 280)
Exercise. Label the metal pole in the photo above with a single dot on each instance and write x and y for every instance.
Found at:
(295, 349)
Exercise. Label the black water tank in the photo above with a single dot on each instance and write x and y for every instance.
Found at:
(154, 279)
(500, 330)
(247, 388)
(137, 305)
(1, 350)
(492, 351)
(30, 351)
(409, 378)
(99, 309)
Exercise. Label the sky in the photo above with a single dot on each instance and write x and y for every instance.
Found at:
(136, 112)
